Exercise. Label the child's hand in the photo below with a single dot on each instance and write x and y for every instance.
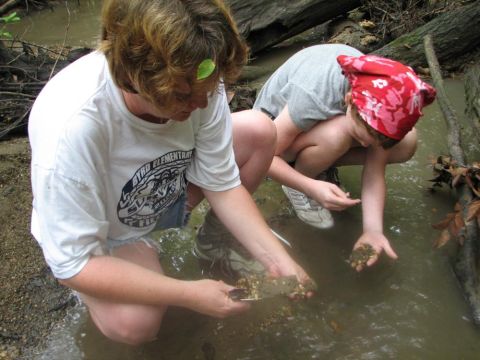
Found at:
(379, 243)
(331, 197)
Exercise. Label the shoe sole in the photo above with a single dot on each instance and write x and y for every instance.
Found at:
(317, 225)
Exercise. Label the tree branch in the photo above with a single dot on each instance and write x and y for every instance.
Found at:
(465, 266)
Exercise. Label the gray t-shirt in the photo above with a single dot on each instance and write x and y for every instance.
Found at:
(311, 83)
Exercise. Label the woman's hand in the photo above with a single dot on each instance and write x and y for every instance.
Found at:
(211, 298)
(288, 267)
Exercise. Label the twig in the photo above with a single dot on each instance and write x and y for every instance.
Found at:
(16, 124)
(454, 140)
(18, 94)
(281, 238)
(8, 5)
(16, 100)
(64, 40)
(15, 44)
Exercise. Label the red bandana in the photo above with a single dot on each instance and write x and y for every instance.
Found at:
(388, 95)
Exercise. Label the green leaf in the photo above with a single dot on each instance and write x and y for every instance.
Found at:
(205, 69)
(10, 18)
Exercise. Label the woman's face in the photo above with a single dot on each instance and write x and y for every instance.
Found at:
(185, 102)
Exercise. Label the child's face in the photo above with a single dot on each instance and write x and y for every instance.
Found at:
(359, 130)
(362, 132)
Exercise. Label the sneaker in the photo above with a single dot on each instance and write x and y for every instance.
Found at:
(308, 210)
(215, 244)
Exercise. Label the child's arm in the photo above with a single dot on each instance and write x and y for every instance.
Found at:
(327, 194)
(373, 201)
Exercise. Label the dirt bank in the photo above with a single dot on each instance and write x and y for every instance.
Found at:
(31, 301)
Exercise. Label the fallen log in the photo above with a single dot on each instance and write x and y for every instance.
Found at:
(25, 5)
(8, 5)
(465, 266)
(456, 33)
(472, 97)
(266, 23)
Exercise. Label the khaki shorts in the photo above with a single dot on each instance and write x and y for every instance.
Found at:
(176, 216)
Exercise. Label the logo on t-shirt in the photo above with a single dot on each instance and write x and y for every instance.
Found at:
(154, 187)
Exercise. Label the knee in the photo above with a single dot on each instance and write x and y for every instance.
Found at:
(410, 146)
(254, 136)
(406, 148)
(132, 327)
(134, 331)
(264, 131)
(410, 151)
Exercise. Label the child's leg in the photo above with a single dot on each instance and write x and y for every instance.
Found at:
(314, 156)
(320, 147)
(400, 153)
(129, 323)
(254, 139)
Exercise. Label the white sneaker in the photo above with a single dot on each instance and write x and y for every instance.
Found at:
(308, 210)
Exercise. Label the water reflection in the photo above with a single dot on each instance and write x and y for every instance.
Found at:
(77, 23)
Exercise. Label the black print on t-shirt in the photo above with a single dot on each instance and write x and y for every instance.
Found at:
(154, 187)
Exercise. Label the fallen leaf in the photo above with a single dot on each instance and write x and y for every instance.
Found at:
(442, 239)
(456, 179)
(367, 24)
(455, 171)
(444, 223)
(335, 327)
(450, 226)
(468, 180)
(457, 224)
(457, 207)
(473, 210)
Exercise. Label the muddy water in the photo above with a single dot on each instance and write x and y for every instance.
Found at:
(408, 309)
(72, 22)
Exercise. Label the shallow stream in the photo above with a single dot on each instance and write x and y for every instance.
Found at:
(408, 309)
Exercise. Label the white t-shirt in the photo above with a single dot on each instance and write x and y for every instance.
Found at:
(99, 172)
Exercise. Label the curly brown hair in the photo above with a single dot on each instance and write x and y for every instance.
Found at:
(151, 45)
